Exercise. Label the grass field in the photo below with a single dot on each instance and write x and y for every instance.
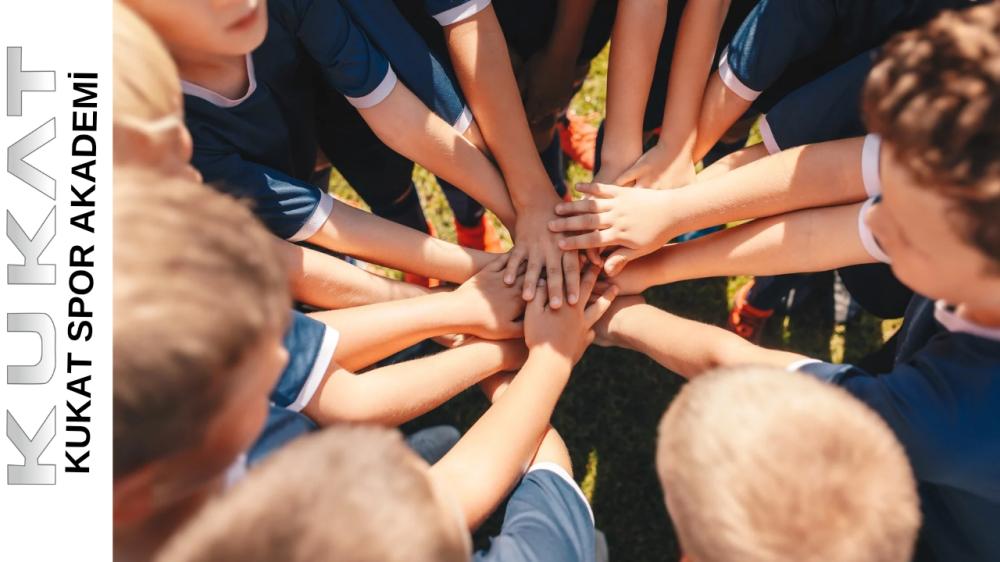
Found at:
(610, 410)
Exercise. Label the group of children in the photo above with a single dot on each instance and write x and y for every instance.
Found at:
(259, 376)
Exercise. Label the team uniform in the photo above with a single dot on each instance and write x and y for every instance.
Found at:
(547, 518)
(263, 146)
(941, 398)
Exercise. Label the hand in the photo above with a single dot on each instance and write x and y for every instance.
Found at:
(606, 330)
(659, 168)
(491, 306)
(540, 248)
(638, 220)
(567, 331)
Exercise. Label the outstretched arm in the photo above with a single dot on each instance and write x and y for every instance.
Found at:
(325, 281)
(483, 306)
(671, 162)
(683, 346)
(635, 41)
(482, 64)
(803, 241)
(398, 393)
(410, 128)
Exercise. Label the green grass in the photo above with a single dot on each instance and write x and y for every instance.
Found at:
(611, 408)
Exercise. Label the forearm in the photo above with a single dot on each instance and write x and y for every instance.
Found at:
(478, 471)
(437, 146)
(636, 37)
(482, 64)
(686, 347)
(803, 241)
(325, 281)
(720, 108)
(371, 333)
(695, 48)
(552, 448)
(366, 236)
(804, 177)
(398, 393)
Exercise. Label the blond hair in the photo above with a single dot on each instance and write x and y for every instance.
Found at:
(146, 82)
(198, 282)
(347, 493)
(762, 465)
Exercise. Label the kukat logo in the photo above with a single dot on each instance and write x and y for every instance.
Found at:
(35, 269)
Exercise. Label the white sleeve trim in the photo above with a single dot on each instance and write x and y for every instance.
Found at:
(871, 173)
(218, 99)
(464, 121)
(320, 365)
(867, 238)
(236, 472)
(770, 143)
(797, 365)
(561, 473)
(376, 96)
(732, 82)
(316, 219)
(461, 12)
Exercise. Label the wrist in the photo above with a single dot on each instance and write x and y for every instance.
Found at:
(461, 311)
(558, 361)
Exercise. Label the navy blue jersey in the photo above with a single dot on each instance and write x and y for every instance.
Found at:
(778, 33)
(547, 520)
(262, 146)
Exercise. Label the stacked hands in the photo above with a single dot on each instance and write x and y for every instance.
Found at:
(488, 307)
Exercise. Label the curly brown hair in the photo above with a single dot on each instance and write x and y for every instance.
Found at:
(934, 96)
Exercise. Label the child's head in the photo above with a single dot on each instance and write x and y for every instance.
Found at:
(934, 97)
(346, 493)
(149, 108)
(762, 465)
(200, 307)
(199, 28)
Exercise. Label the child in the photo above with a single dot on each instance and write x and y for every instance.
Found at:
(933, 175)
(760, 465)
(384, 504)
(260, 142)
(150, 133)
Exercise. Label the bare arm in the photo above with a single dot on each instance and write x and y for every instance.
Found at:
(670, 163)
(683, 346)
(635, 41)
(437, 146)
(803, 241)
(325, 281)
(641, 221)
(720, 108)
(482, 64)
(366, 236)
(483, 306)
(552, 448)
(398, 393)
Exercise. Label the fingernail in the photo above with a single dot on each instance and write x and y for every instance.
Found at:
(571, 299)
(562, 244)
(555, 302)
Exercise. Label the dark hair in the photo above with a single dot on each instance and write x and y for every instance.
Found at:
(934, 96)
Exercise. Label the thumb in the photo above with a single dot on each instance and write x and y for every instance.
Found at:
(618, 260)
(629, 176)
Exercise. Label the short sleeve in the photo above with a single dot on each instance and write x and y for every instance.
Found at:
(290, 208)
(448, 12)
(866, 235)
(547, 520)
(281, 428)
(310, 345)
(774, 34)
(348, 60)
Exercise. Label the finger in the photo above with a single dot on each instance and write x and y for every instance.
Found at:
(600, 306)
(591, 336)
(531, 275)
(582, 206)
(617, 261)
(579, 222)
(629, 176)
(571, 269)
(599, 190)
(513, 263)
(593, 239)
(588, 281)
(554, 278)
(498, 265)
(594, 257)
